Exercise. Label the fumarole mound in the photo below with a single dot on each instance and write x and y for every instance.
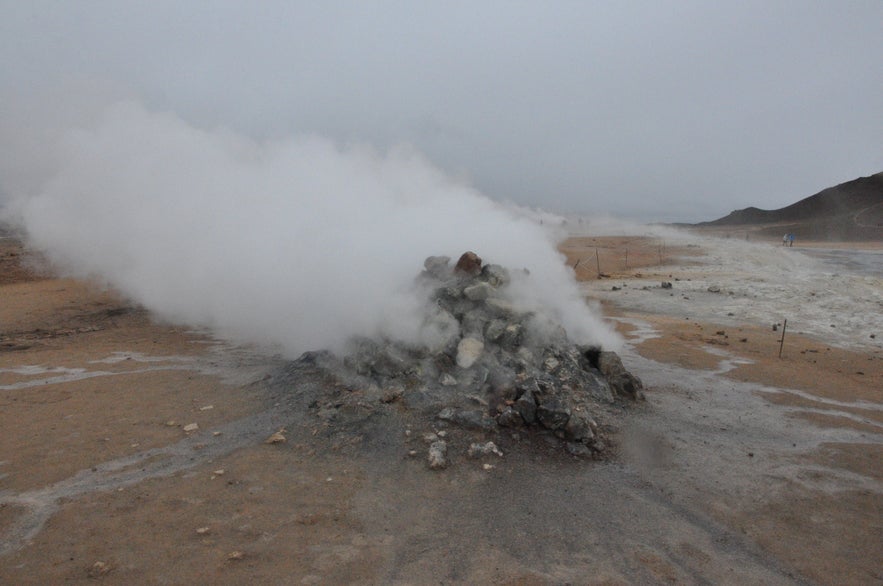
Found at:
(491, 373)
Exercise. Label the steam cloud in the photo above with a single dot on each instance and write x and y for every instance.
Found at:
(299, 243)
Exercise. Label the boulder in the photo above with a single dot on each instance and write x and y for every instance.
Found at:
(469, 264)
(553, 413)
(526, 406)
(622, 382)
(438, 267)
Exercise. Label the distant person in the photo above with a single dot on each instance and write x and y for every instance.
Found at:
(790, 240)
(785, 240)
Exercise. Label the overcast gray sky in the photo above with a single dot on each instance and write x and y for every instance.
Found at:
(652, 110)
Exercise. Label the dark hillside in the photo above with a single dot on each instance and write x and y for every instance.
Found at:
(849, 211)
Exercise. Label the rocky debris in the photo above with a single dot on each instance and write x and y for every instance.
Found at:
(666, 285)
(493, 369)
(438, 455)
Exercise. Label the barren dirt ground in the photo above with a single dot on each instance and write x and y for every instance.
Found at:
(740, 468)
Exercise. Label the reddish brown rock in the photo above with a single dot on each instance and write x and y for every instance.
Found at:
(469, 264)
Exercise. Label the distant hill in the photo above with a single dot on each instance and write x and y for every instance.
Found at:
(851, 211)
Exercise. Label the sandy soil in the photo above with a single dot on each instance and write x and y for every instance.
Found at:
(740, 468)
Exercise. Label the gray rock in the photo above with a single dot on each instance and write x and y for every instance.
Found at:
(512, 336)
(495, 275)
(494, 330)
(510, 417)
(597, 386)
(440, 330)
(627, 385)
(468, 351)
(478, 292)
(610, 363)
(550, 364)
(526, 406)
(473, 324)
(438, 455)
(448, 381)
(578, 429)
(466, 418)
(577, 449)
(501, 307)
(553, 413)
(438, 266)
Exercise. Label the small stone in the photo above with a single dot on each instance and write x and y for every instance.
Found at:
(478, 450)
(391, 396)
(171, 423)
(235, 555)
(442, 433)
(276, 438)
(577, 449)
(714, 289)
(430, 438)
(665, 285)
(99, 569)
(550, 364)
(219, 472)
(207, 408)
(438, 453)
(448, 381)
(488, 466)
(203, 530)
(510, 417)
(191, 427)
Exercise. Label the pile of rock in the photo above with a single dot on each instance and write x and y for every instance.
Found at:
(492, 365)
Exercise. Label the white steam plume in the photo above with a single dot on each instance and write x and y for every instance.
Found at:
(296, 242)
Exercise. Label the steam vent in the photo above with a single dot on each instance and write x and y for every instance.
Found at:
(493, 376)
